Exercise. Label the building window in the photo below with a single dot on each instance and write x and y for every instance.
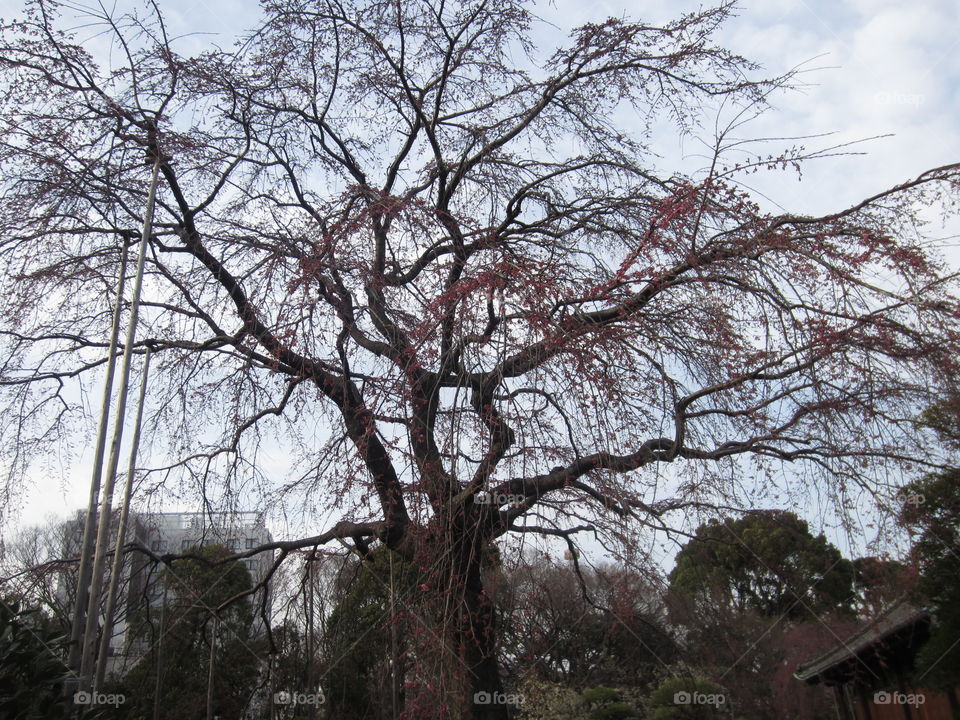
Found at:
(251, 543)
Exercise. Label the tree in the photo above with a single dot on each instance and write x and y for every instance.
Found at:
(689, 698)
(35, 569)
(174, 674)
(290, 671)
(879, 582)
(581, 627)
(403, 224)
(32, 665)
(605, 703)
(39, 567)
(368, 641)
(931, 513)
(744, 591)
(765, 561)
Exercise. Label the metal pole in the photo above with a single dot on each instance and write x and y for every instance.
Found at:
(158, 684)
(213, 647)
(311, 609)
(105, 637)
(394, 655)
(86, 545)
(103, 530)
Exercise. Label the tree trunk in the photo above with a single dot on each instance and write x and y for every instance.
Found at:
(466, 684)
(477, 643)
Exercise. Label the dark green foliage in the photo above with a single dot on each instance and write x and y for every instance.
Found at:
(614, 711)
(931, 513)
(752, 594)
(360, 633)
(32, 670)
(600, 694)
(689, 698)
(291, 669)
(944, 419)
(605, 704)
(765, 561)
(180, 650)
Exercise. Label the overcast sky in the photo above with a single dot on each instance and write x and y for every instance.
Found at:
(884, 68)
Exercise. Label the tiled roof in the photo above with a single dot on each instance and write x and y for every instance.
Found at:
(898, 616)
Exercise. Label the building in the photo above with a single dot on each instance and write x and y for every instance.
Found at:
(871, 672)
(172, 534)
(133, 574)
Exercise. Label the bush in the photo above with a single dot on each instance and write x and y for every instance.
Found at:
(689, 698)
(32, 671)
(614, 711)
(599, 695)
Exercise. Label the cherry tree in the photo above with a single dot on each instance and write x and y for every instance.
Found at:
(443, 266)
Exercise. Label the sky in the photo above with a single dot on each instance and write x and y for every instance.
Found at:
(871, 68)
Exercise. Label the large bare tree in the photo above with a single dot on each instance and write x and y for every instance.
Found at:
(444, 267)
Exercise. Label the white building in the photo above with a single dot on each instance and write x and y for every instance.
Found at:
(173, 534)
